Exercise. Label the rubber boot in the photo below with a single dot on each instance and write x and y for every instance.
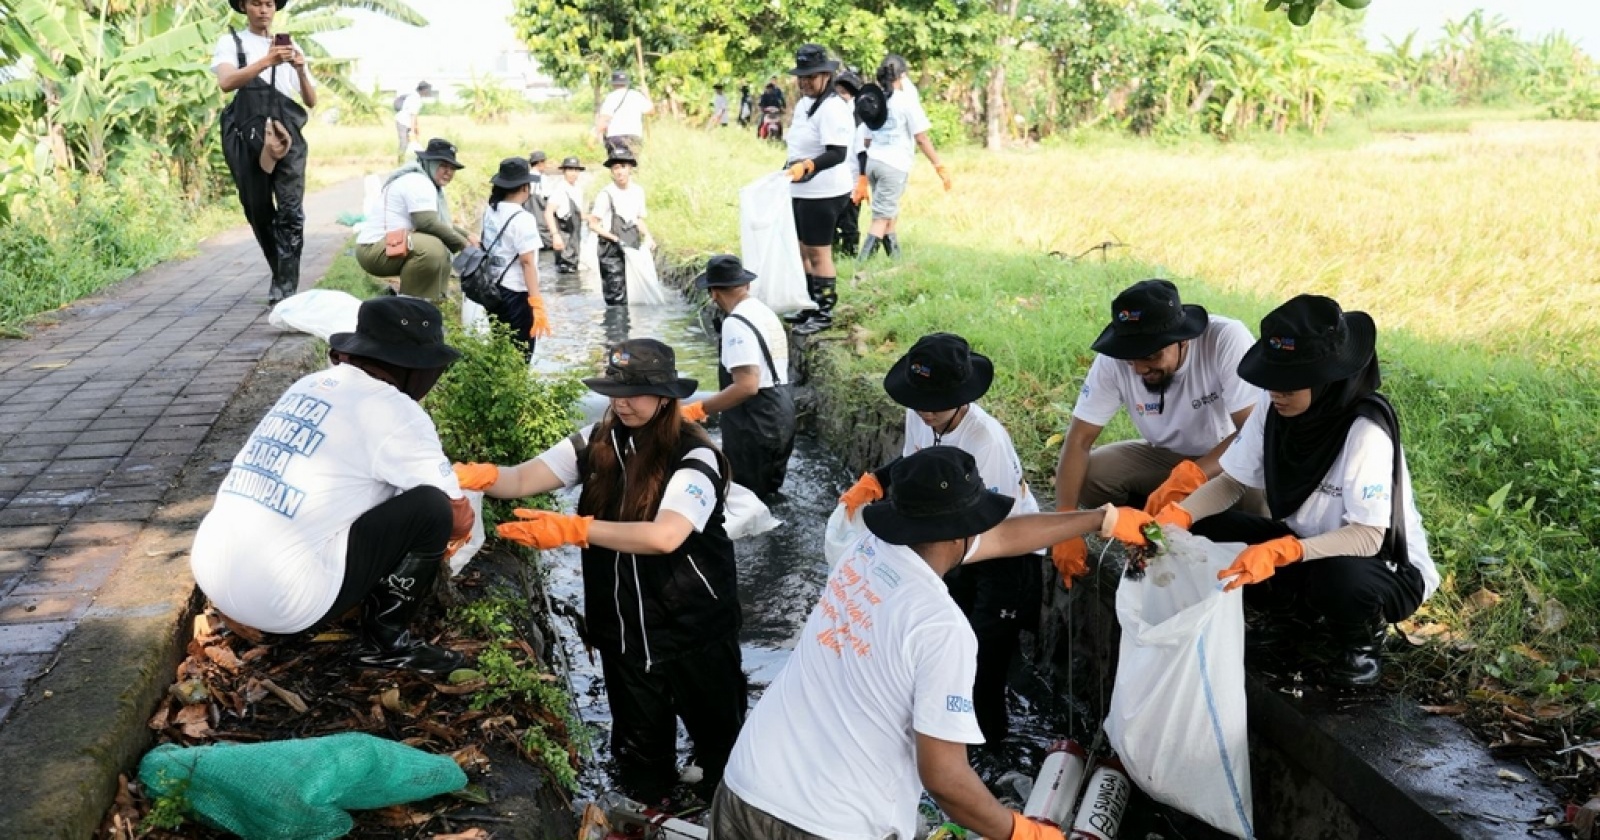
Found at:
(867, 248)
(285, 282)
(825, 297)
(386, 615)
(891, 245)
(805, 315)
(1357, 660)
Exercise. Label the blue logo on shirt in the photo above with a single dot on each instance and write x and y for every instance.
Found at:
(958, 704)
(1375, 491)
(697, 493)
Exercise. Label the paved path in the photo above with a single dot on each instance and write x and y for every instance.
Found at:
(99, 413)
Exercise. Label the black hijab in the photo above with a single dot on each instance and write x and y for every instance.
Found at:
(1298, 451)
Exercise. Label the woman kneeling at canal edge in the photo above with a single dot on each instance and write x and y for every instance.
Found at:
(661, 599)
(1344, 546)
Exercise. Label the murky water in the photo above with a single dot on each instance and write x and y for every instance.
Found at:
(780, 573)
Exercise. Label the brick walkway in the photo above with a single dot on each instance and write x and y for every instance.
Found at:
(100, 412)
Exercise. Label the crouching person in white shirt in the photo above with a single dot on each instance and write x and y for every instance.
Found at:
(342, 496)
(875, 704)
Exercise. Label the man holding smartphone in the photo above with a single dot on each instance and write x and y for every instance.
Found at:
(268, 77)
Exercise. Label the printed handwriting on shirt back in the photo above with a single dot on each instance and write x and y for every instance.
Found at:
(847, 603)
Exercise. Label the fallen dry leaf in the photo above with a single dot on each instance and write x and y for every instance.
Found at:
(223, 655)
(194, 720)
(471, 757)
(1480, 600)
(1510, 775)
(391, 701)
(469, 834)
(288, 697)
(1451, 709)
(399, 816)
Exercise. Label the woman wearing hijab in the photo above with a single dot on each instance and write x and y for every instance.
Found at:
(661, 600)
(1344, 545)
(408, 232)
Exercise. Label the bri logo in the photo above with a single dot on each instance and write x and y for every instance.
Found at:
(697, 493)
(1128, 315)
(921, 370)
(958, 704)
(1285, 343)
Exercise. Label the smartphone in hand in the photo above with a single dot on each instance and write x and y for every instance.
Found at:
(281, 40)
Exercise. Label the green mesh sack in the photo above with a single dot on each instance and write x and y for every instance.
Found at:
(295, 790)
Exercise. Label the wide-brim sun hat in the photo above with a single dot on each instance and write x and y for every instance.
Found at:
(621, 154)
(639, 367)
(1306, 342)
(1146, 317)
(514, 173)
(404, 331)
(441, 150)
(935, 494)
(572, 162)
(938, 373)
(812, 59)
(724, 271)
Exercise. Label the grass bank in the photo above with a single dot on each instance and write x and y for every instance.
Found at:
(1471, 248)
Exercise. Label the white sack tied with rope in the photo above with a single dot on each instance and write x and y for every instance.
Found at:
(1178, 715)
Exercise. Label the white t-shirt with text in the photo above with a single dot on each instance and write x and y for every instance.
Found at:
(1357, 490)
(809, 136)
(740, 348)
(1197, 412)
(283, 76)
(271, 553)
(895, 144)
(884, 655)
(627, 108)
(521, 238)
(989, 444)
(391, 208)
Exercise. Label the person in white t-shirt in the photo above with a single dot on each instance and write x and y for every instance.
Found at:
(342, 496)
(939, 381)
(890, 151)
(511, 234)
(618, 219)
(719, 106)
(563, 209)
(1174, 367)
(755, 404)
(1342, 551)
(875, 702)
(408, 119)
(412, 209)
(620, 120)
(818, 139)
(660, 588)
(269, 79)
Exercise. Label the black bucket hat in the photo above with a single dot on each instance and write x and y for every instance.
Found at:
(641, 366)
(404, 331)
(442, 150)
(619, 78)
(1146, 317)
(1306, 342)
(850, 80)
(812, 59)
(514, 172)
(536, 157)
(723, 271)
(621, 154)
(238, 5)
(872, 106)
(935, 494)
(939, 373)
(572, 162)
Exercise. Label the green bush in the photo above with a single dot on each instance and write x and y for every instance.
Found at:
(488, 408)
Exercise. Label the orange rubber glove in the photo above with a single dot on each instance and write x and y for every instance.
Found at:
(1023, 828)
(944, 175)
(1176, 515)
(1259, 562)
(541, 320)
(461, 519)
(860, 194)
(865, 491)
(543, 529)
(1071, 559)
(694, 412)
(476, 476)
(1184, 479)
(1123, 523)
(801, 170)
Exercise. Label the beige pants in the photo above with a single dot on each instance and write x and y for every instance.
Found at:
(1130, 470)
(424, 273)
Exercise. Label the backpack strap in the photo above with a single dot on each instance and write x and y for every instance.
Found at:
(238, 46)
(489, 251)
(762, 343)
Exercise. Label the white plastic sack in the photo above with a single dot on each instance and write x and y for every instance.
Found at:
(1177, 717)
(474, 317)
(842, 533)
(589, 261)
(644, 288)
(745, 515)
(465, 553)
(321, 312)
(769, 246)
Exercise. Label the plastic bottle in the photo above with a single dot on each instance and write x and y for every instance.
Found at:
(1104, 802)
(1055, 789)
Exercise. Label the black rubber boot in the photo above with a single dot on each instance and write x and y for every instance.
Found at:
(1358, 659)
(868, 248)
(286, 281)
(826, 296)
(891, 246)
(386, 615)
(805, 315)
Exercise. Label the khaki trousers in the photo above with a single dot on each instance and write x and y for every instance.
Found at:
(424, 273)
(734, 819)
(1128, 471)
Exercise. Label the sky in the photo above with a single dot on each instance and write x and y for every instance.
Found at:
(468, 33)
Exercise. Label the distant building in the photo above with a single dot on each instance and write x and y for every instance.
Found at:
(510, 64)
